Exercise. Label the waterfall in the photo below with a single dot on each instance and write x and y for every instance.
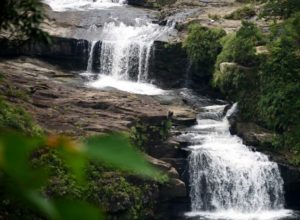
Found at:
(226, 175)
(125, 56)
(89, 67)
(126, 49)
(66, 5)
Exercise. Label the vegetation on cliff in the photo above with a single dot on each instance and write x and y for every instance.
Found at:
(203, 45)
(260, 70)
(266, 85)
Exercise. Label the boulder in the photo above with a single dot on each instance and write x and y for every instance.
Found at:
(163, 166)
(253, 135)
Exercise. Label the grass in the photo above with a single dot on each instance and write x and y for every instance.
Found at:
(16, 118)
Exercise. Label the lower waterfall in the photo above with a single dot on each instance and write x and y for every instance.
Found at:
(227, 179)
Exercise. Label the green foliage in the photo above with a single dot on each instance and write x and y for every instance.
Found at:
(245, 12)
(243, 46)
(143, 134)
(280, 8)
(18, 119)
(22, 19)
(239, 49)
(238, 76)
(202, 43)
(267, 87)
(215, 17)
(25, 171)
(280, 84)
(202, 46)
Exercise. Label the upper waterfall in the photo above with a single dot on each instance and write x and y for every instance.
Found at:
(66, 5)
(125, 55)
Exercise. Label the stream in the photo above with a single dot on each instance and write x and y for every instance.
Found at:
(227, 179)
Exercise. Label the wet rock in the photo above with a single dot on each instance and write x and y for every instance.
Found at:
(174, 189)
(169, 148)
(163, 166)
(74, 110)
(70, 54)
(253, 135)
(150, 3)
(168, 65)
(291, 177)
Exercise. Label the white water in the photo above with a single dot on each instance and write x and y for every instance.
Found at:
(82, 5)
(125, 55)
(227, 179)
(126, 86)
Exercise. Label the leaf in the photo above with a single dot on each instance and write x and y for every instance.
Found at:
(116, 150)
(77, 210)
(42, 204)
(16, 151)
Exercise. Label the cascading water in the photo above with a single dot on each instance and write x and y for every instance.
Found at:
(227, 179)
(125, 54)
(126, 49)
(82, 5)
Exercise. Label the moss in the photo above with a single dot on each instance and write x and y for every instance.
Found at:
(145, 134)
(17, 118)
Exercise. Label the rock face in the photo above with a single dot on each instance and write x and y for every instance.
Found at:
(74, 110)
(150, 3)
(291, 177)
(60, 105)
(70, 54)
(169, 65)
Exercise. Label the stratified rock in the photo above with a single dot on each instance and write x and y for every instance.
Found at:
(163, 166)
(66, 52)
(150, 3)
(254, 135)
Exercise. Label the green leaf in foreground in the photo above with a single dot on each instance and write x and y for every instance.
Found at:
(117, 151)
(77, 210)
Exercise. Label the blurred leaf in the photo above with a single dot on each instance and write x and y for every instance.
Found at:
(72, 154)
(16, 151)
(44, 205)
(117, 151)
(75, 210)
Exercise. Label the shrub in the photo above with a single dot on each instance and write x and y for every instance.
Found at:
(245, 12)
(280, 84)
(202, 46)
(238, 76)
(280, 8)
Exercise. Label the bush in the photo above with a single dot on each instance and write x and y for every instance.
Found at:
(280, 84)
(280, 8)
(245, 12)
(238, 76)
(240, 47)
(202, 46)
